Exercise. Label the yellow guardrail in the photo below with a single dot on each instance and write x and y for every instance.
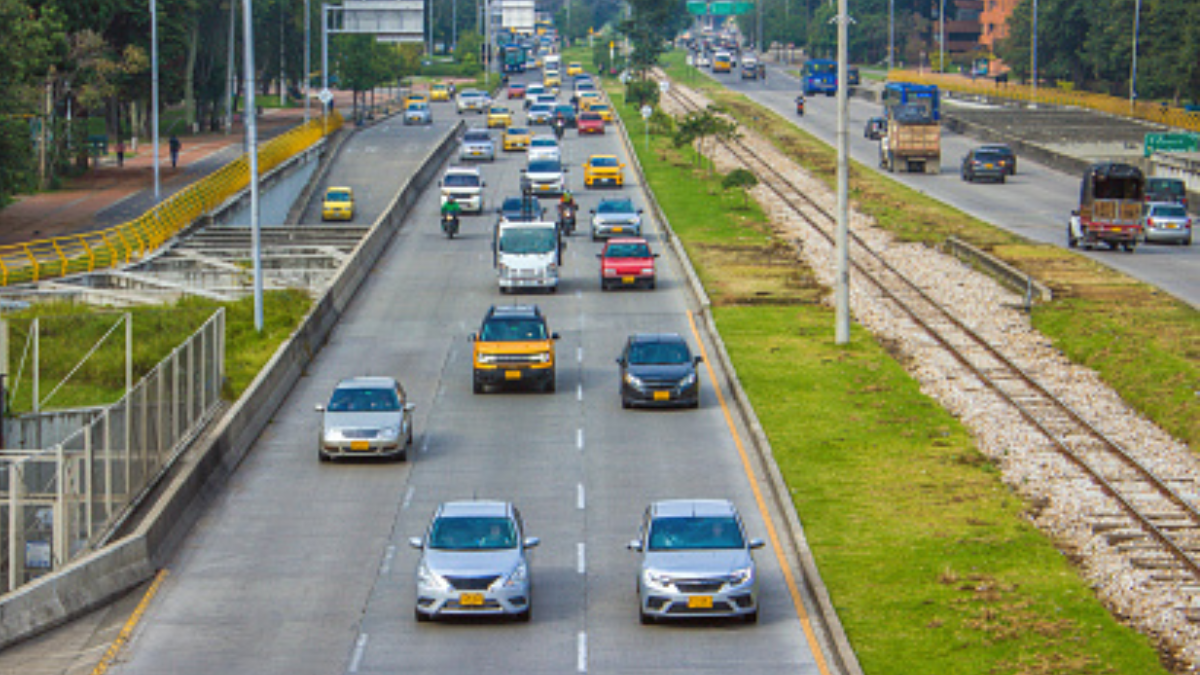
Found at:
(1150, 112)
(124, 243)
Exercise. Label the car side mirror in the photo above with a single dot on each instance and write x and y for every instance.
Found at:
(439, 183)
(635, 545)
(416, 542)
(640, 211)
(1075, 212)
(472, 337)
(698, 360)
(531, 542)
(653, 255)
(757, 543)
(409, 407)
(593, 210)
(599, 255)
(320, 408)
(554, 336)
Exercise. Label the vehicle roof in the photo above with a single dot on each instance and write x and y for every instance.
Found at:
(339, 189)
(514, 311)
(626, 240)
(462, 170)
(603, 156)
(367, 382)
(460, 509)
(678, 508)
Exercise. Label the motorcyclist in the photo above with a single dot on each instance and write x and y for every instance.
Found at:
(450, 213)
(560, 125)
(800, 103)
(567, 203)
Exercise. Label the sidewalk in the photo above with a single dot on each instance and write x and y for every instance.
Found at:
(108, 195)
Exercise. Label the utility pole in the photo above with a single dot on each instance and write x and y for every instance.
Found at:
(230, 68)
(1033, 75)
(842, 253)
(1137, 16)
(891, 34)
(154, 94)
(307, 58)
(282, 59)
(252, 151)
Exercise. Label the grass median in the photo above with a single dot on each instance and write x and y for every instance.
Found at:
(925, 552)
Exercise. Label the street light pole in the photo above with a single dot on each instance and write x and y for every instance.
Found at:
(252, 152)
(231, 67)
(842, 238)
(1137, 16)
(1033, 73)
(154, 94)
(942, 38)
(891, 34)
(307, 57)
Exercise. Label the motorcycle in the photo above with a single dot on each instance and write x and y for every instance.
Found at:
(566, 218)
(560, 127)
(800, 106)
(449, 225)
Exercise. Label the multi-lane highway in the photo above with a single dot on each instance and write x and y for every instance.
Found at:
(303, 567)
(1035, 203)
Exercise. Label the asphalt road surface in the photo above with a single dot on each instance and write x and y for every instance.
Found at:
(304, 567)
(1035, 203)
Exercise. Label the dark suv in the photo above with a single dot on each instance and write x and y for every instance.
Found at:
(514, 346)
(658, 369)
(1171, 190)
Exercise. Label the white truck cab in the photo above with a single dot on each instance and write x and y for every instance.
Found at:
(527, 254)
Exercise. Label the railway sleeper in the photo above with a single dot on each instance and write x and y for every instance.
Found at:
(1155, 562)
(1192, 614)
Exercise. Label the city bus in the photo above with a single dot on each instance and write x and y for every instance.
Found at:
(820, 77)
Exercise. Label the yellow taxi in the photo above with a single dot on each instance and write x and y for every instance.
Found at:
(552, 80)
(588, 98)
(516, 138)
(338, 204)
(440, 91)
(603, 170)
(499, 116)
(603, 110)
(415, 98)
(574, 68)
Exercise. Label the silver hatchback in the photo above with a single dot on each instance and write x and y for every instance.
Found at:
(474, 561)
(696, 562)
(366, 417)
(1167, 223)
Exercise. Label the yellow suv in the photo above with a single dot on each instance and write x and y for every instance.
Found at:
(440, 91)
(514, 346)
(574, 68)
(338, 204)
(603, 170)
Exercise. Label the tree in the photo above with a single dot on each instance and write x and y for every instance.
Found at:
(650, 27)
(740, 179)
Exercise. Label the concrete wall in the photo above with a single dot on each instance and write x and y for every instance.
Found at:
(203, 470)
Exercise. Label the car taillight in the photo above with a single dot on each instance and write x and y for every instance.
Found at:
(1149, 222)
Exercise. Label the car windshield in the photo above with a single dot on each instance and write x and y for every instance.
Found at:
(418, 106)
(1168, 211)
(518, 131)
(544, 143)
(472, 534)
(695, 533)
(545, 166)
(539, 108)
(614, 205)
(658, 353)
(461, 180)
(477, 137)
(339, 196)
(499, 111)
(374, 399)
(564, 110)
(988, 157)
(513, 330)
(591, 117)
(527, 240)
(627, 251)
(1168, 186)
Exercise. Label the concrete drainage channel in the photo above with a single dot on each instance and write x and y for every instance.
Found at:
(132, 557)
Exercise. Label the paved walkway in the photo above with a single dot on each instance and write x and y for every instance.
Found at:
(108, 195)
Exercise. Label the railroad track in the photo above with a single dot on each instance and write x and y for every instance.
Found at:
(1153, 525)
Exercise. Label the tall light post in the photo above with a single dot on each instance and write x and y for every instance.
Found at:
(1137, 16)
(230, 67)
(842, 236)
(891, 34)
(1033, 68)
(154, 94)
(307, 57)
(252, 152)
(942, 38)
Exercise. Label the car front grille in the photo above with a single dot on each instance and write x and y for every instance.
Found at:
(515, 359)
(472, 583)
(699, 586)
(360, 433)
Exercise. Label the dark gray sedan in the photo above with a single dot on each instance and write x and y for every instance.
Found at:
(982, 163)
(366, 417)
(658, 369)
(696, 562)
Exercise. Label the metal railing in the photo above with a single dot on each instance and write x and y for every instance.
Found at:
(59, 503)
(122, 244)
(1113, 105)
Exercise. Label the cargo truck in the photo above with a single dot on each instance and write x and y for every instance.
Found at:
(912, 142)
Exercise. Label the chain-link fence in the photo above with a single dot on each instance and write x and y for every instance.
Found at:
(58, 503)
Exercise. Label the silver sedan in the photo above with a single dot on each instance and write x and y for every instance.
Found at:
(366, 416)
(474, 561)
(696, 562)
(418, 113)
(1167, 223)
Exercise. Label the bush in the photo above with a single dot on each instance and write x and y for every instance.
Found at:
(642, 92)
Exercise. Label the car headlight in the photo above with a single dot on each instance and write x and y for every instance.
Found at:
(430, 579)
(687, 381)
(633, 380)
(390, 432)
(656, 579)
(487, 358)
(519, 576)
(610, 272)
(543, 357)
(739, 577)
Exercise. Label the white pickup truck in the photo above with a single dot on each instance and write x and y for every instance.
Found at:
(527, 254)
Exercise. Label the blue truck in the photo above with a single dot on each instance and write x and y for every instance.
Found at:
(925, 96)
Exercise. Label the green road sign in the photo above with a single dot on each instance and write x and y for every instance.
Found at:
(719, 8)
(1171, 143)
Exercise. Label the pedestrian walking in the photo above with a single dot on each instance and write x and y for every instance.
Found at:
(174, 144)
(120, 152)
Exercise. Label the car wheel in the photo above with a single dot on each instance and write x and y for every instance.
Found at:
(524, 617)
(401, 456)
(694, 403)
(644, 618)
(552, 384)
(751, 618)
(323, 457)
(653, 284)
(626, 403)
(477, 387)
(421, 617)
(1002, 179)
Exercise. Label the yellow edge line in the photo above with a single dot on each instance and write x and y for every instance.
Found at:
(788, 575)
(115, 648)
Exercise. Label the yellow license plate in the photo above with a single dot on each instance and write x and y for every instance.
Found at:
(627, 280)
(360, 445)
(988, 166)
(618, 229)
(700, 602)
(666, 396)
(476, 600)
(512, 374)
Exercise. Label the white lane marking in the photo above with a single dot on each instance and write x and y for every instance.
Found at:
(581, 648)
(359, 649)
(579, 354)
(387, 561)
(581, 564)
(580, 497)
(579, 392)
(579, 438)
(408, 495)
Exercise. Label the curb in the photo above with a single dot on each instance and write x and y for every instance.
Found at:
(837, 644)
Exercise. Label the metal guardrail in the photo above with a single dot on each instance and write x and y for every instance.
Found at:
(122, 244)
(59, 503)
(1149, 112)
